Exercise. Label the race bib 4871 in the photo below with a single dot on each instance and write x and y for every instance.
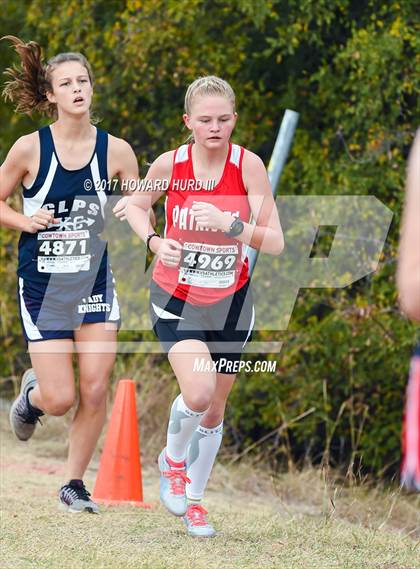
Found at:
(63, 251)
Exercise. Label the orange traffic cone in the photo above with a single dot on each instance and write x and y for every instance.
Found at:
(119, 478)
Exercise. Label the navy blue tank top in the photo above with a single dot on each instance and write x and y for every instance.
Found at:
(71, 249)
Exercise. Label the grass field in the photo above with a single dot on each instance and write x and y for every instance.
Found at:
(294, 521)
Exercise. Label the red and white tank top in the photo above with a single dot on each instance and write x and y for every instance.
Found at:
(212, 265)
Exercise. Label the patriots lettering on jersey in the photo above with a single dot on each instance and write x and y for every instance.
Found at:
(183, 219)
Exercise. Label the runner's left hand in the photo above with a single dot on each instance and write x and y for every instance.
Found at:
(208, 215)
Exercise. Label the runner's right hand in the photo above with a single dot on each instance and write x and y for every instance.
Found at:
(169, 252)
(40, 220)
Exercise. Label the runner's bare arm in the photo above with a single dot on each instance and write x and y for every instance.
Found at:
(408, 275)
(12, 172)
(266, 235)
(122, 164)
(142, 201)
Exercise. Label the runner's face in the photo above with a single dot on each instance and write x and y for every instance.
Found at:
(212, 120)
(72, 89)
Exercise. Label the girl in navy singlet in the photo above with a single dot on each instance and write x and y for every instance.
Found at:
(200, 301)
(66, 288)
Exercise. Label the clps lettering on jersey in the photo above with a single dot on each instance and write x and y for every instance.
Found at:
(212, 264)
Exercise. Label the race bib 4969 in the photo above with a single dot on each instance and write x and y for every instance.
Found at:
(208, 266)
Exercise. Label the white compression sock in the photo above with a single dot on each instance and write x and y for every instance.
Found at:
(182, 424)
(202, 452)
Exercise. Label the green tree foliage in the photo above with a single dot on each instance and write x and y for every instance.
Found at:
(349, 68)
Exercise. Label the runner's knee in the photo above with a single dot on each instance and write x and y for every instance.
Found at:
(215, 412)
(198, 401)
(57, 405)
(93, 393)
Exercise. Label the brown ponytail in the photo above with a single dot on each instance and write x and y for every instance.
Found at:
(27, 85)
(30, 81)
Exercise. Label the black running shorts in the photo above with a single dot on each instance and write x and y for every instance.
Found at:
(225, 326)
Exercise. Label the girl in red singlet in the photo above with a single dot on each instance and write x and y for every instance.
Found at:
(408, 278)
(201, 303)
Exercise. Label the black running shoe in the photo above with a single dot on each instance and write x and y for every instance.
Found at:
(23, 416)
(75, 498)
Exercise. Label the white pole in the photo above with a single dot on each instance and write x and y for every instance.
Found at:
(277, 162)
